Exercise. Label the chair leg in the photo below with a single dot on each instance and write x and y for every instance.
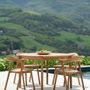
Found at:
(19, 81)
(82, 81)
(18, 84)
(7, 80)
(30, 77)
(64, 82)
(78, 80)
(38, 76)
(69, 81)
(14, 78)
(26, 78)
(55, 79)
(23, 80)
(32, 81)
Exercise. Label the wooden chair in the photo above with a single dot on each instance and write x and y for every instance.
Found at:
(34, 66)
(60, 67)
(72, 68)
(21, 70)
(28, 66)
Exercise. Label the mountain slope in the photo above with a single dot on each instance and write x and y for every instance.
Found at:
(31, 32)
(76, 10)
(59, 25)
(58, 6)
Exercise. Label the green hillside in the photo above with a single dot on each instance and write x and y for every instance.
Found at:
(33, 31)
(58, 7)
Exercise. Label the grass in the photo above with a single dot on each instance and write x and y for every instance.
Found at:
(13, 26)
(29, 42)
(72, 36)
(4, 19)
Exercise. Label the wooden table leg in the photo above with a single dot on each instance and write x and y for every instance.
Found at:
(66, 83)
(42, 77)
(46, 72)
(70, 81)
(70, 66)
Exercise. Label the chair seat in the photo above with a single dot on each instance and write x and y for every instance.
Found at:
(66, 67)
(60, 66)
(31, 66)
(68, 71)
(71, 71)
(34, 66)
(25, 70)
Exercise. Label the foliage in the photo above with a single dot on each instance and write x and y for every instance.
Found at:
(4, 65)
(86, 60)
(31, 32)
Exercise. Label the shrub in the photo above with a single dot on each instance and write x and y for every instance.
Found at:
(86, 60)
(4, 65)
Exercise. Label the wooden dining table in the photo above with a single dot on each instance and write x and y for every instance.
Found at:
(45, 58)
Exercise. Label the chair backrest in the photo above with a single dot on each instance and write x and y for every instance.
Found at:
(75, 62)
(75, 58)
(15, 62)
(12, 59)
(72, 61)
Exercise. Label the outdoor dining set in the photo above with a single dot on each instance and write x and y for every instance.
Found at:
(69, 65)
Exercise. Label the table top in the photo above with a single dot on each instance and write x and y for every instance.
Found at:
(50, 55)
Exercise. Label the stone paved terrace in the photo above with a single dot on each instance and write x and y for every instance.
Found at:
(12, 86)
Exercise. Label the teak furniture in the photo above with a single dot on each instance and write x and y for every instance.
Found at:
(72, 67)
(51, 56)
(21, 70)
(28, 66)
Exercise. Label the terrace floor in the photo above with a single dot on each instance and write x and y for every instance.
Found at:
(12, 86)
